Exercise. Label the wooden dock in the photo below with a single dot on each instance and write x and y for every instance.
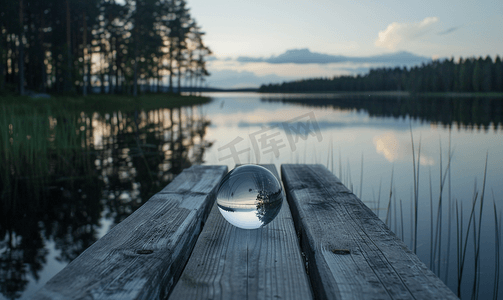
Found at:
(324, 244)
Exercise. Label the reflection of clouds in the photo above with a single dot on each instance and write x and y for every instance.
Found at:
(261, 117)
(426, 160)
(387, 145)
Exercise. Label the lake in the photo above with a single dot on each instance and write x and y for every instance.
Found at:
(67, 179)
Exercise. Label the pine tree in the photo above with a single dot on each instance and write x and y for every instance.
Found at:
(497, 83)
(21, 47)
(465, 75)
(477, 76)
(487, 75)
(180, 26)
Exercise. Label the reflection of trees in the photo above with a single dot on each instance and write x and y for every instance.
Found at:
(23, 254)
(13, 274)
(466, 112)
(145, 153)
(72, 217)
(67, 212)
(268, 206)
(40, 167)
(116, 162)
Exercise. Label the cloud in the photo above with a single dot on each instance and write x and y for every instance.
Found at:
(230, 79)
(449, 30)
(399, 33)
(295, 64)
(297, 56)
(304, 56)
(247, 59)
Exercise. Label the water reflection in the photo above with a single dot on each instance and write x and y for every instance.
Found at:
(95, 168)
(87, 169)
(388, 145)
(385, 180)
(466, 112)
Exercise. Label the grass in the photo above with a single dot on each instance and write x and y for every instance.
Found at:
(37, 144)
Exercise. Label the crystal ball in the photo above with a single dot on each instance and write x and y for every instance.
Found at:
(249, 196)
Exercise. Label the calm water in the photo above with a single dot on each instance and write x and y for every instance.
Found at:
(122, 158)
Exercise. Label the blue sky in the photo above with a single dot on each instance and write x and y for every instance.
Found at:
(262, 29)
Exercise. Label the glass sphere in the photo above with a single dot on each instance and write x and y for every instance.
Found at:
(249, 196)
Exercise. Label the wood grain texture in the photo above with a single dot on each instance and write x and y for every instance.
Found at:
(234, 263)
(351, 253)
(143, 256)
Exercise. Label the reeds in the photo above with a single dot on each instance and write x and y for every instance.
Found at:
(438, 227)
(476, 283)
(416, 185)
(497, 235)
(465, 229)
(39, 145)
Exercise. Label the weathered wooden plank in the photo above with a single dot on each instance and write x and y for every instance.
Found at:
(143, 256)
(233, 263)
(351, 253)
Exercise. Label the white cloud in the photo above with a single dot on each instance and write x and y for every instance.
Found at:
(400, 33)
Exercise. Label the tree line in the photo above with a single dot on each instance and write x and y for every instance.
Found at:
(83, 46)
(466, 75)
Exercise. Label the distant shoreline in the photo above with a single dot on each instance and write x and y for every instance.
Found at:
(374, 93)
(399, 94)
(462, 94)
(362, 93)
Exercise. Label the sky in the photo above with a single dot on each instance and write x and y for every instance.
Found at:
(247, 37)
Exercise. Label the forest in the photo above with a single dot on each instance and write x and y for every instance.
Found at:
(466, 75)
(99, 46)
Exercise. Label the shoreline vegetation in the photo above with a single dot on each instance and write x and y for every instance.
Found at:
(472, 75)
(102, 103)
